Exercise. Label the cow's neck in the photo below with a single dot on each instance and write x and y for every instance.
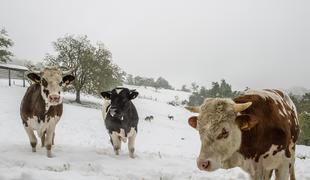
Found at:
(239, 160)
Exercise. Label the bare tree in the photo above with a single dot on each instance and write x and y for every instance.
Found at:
(92, 66)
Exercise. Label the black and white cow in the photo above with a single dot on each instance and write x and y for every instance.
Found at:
(121, 118)
(149, 118)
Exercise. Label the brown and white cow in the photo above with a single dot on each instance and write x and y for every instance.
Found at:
(41, 107)
(256, 131)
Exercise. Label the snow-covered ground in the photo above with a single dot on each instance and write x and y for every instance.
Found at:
(165, 149)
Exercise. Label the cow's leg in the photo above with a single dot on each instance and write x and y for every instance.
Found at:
(53, 141)
(32, 138)
(292, 166)
(292, 172)
(116, 142)
(267, 174)
(282, 173)
(49, 137)
(131, 142)
(43, 139)
(258, 173)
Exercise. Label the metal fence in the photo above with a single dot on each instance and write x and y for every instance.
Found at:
(11, 71)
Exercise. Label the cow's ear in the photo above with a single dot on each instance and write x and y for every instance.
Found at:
(192, 121)
(246, 122)
(106, 95)
(67, 79)
(34, 77)
(133, 94)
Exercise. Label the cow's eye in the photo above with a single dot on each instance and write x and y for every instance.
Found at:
(60, 84)
(224, 134)
(44, 82)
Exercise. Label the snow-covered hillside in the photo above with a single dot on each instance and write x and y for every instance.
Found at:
(165, 149)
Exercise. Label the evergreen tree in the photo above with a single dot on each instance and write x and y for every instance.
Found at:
(304, 105)
(222, 90)
(185, 89)
(163, 83)
(304, 123)
(5, 43)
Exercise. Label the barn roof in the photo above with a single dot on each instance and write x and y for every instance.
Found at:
(13, 67)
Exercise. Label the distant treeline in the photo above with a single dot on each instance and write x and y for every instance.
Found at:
(303, 108)
(145, 81)
(219, 89)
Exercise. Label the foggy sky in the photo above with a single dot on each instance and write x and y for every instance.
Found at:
(257, 44)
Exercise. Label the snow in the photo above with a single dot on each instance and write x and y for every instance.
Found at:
(15, 82)
(165, 149)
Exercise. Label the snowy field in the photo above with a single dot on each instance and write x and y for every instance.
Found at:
(165, 149)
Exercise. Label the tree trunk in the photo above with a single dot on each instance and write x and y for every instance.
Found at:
(78, 96)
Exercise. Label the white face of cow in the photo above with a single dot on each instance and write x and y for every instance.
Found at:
(220, 133)
(52, 81)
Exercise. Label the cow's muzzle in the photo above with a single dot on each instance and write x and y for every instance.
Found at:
(203, 164)
(54, 98)
(115, 113)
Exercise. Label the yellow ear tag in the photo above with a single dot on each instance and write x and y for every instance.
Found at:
(244, 126)
(67, 83)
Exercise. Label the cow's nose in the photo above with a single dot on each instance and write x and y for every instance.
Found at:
(54, 98)
(203, 164)
(112, 112)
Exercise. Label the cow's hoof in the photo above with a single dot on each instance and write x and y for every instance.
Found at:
(49, 154)
(33, 146)
(116, 152)
(132, 155)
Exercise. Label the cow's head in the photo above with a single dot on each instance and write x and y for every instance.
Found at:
(52, 80)
(219, 129)
(120, 99)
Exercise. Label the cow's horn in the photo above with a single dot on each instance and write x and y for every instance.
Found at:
(68, 71)
(242, 106)
(34, 71)
(194, 109)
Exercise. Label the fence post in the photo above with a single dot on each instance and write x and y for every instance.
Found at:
(9, 77)
(23, 78)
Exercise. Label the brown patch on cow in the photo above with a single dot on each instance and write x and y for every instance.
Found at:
(279, 92)
(34, 105)
(271, 128)
(245, 122)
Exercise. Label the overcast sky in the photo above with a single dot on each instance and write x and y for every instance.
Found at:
(259, 44)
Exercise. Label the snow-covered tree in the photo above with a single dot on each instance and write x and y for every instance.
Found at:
(5, 43)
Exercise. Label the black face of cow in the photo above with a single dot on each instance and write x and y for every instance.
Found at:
(120, 98)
